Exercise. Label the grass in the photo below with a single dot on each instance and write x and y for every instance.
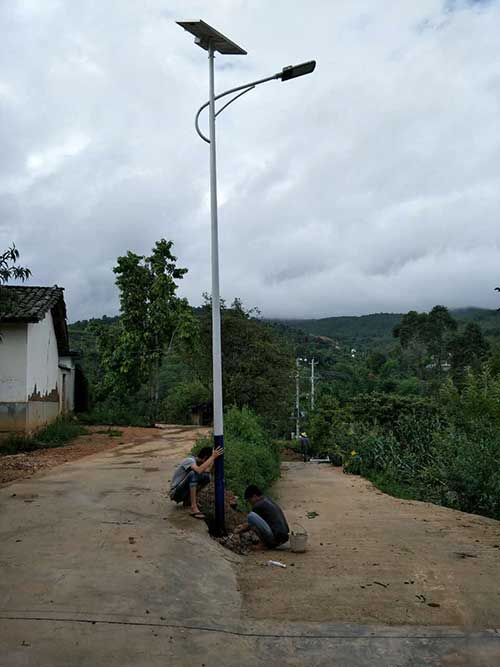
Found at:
(56, 434)
(393, 488)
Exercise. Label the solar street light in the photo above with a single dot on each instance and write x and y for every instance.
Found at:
(212, 40)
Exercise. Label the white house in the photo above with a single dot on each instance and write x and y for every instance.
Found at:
(37, 370)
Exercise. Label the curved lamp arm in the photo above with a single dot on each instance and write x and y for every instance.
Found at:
(245, 88)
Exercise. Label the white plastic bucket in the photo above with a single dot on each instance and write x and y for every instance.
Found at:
(298, 540)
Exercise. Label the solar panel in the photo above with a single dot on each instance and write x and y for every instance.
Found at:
(205, 35)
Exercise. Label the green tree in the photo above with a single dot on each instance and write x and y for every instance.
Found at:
(440, 324)
(468, 350)
(257, 363)
(328, 426)
(424, 338)
(9, 267)
(132, 350)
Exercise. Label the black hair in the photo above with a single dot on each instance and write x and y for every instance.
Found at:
(204, 453)
(252, 491)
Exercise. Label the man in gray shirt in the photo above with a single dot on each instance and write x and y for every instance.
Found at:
(191, 475)
(266, 519)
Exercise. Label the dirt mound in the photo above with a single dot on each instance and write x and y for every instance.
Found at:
(240, 544)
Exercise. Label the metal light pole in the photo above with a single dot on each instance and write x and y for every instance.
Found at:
(297, 400)
(313, 363)
(211, 40)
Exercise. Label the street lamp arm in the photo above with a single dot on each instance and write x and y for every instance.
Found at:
(197, 119)
(245, 88)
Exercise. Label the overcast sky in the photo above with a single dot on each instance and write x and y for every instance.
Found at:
(371, 185)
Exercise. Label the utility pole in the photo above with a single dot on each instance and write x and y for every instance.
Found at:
(297, 400)
(313, 363)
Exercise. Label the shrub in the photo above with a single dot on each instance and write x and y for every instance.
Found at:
(385, 409)
(329, 427)
(249, 455)
(178, 405)
(112, 414)
(56, 434)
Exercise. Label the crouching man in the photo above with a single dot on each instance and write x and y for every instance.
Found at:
(266, 519)
(191, 475)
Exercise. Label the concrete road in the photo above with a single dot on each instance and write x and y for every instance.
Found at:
(98, 568)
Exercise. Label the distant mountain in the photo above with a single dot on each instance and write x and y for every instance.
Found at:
(367, 330)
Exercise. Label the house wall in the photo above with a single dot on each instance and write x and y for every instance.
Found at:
(42, 391)
(13, 346)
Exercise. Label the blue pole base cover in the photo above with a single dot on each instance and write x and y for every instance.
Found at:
(220, 524)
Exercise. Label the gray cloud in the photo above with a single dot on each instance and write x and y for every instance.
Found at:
(372, 185)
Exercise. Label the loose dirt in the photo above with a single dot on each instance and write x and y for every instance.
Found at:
(22, 466)
(373, 558)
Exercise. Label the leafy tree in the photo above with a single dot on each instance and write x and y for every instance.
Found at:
(328, 426)
(183, 398)
(132, 350)
(9, 267)
(436, 334)
(424, 337)
(468, 349)
(257, 363)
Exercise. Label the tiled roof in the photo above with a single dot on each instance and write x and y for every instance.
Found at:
(28, 304)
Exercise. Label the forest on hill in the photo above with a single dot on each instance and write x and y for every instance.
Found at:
(366, 331)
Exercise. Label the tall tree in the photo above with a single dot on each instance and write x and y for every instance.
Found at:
(151, 313)
(425, 337)
(437, 331)
(468, 350)
(257, 363)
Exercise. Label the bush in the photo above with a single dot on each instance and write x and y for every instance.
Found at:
(329, 429)
(56, 434)
(111, 414)
(249, 455)
(432, 461)
(177, 407)
(379, 409)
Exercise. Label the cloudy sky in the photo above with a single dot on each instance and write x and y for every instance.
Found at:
(371, 185)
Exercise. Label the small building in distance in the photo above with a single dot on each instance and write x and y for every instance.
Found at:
(37, 369)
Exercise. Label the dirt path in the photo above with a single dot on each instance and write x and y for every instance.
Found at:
(375, 559)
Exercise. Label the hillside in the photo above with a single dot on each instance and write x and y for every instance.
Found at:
(353, 331)
(376, 329)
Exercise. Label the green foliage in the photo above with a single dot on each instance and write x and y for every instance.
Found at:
(182, 399)
(448, 453)
(328, 428)
(385, 409)
(479, 398)
(56, 434)
(257, 366)
(9, 267)
(127, 412)
(130, 353)
(250, 457)
(468, 350)
(425, 338)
